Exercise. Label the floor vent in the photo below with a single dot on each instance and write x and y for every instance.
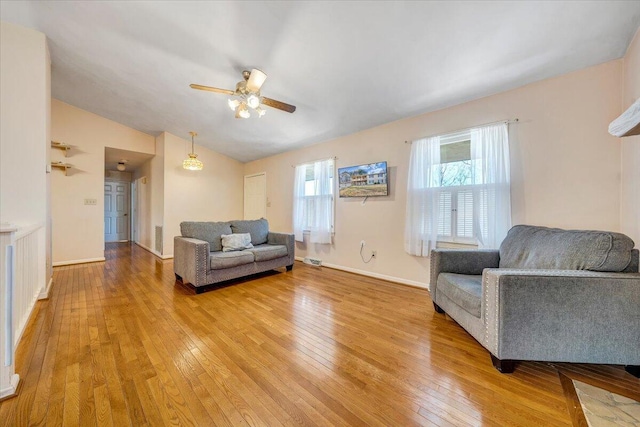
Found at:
(159, 239)
(313, 261)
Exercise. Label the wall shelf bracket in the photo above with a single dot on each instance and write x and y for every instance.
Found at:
(61, 165)
(61, 146)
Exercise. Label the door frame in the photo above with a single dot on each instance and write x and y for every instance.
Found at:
(133, 208)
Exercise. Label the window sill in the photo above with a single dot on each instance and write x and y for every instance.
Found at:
(309, 232)
(455, 245)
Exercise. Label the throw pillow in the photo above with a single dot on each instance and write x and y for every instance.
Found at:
(236, 242)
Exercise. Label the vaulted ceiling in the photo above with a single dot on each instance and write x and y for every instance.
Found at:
(347, 66)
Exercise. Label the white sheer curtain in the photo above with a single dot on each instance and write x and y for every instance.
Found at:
(489, 184)
(423, 197)
(492, 189)
(313, 202)
(299, 202)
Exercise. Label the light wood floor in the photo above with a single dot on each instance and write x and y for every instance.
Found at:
(120, 343)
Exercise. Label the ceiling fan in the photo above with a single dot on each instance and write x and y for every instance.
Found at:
(247, 95)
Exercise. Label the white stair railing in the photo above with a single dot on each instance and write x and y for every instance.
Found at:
(22, 281)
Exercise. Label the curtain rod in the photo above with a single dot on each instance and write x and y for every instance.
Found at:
(314, 161)
(508, 121)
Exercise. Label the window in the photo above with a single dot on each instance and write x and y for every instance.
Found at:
(313, 201)
(458, 190)
(455, 219)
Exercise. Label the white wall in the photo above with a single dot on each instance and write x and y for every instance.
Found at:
(630, 158)
(143, 177)
(78, 229)
(565, 168)
(25, 99)
(151, 197)
(24, 138)
(212, 194)
(157, 189)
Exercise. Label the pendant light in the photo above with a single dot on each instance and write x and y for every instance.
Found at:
(192, 163)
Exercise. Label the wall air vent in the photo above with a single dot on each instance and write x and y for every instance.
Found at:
(313, 261)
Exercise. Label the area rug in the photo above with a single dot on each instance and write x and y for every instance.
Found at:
(604, 408)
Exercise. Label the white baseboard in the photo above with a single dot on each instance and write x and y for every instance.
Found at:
(148, 249)
(77, 261)
(375, 275)
(44, 294)
(13, 387)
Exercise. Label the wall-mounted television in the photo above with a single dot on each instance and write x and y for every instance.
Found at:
(366, 180)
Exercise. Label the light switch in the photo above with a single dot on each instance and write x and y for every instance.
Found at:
(90, 201)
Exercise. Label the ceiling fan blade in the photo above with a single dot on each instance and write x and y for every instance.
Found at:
(212, 89)
(279, 105)
(256, 80)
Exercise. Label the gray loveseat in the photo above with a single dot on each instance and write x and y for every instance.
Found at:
(547, 295)
(198, 258)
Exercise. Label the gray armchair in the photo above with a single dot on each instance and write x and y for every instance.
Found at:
(547, 295)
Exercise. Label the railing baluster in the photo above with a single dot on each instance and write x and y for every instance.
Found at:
(8, 302)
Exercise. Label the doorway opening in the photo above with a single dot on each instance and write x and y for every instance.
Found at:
(123, 219)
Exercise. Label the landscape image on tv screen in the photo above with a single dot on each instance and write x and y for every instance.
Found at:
(364, 180)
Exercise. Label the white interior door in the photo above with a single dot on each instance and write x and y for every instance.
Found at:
(116, 211)
(255, 196)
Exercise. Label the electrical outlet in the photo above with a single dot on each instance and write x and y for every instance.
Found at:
(374, 254)
(362, 243)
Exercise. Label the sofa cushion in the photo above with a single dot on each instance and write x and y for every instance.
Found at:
(221, 260)
(207, 231)
(465, 290)
(258, 228)
(531, 247)
(236, 242)
(268, 252)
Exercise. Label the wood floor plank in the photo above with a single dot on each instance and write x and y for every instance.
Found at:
(55, 408)
(122, 343)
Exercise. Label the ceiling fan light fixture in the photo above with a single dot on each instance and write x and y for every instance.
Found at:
(192, 163)
(233, 104)
(253, 100)
(243, 112)
(247, 95)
